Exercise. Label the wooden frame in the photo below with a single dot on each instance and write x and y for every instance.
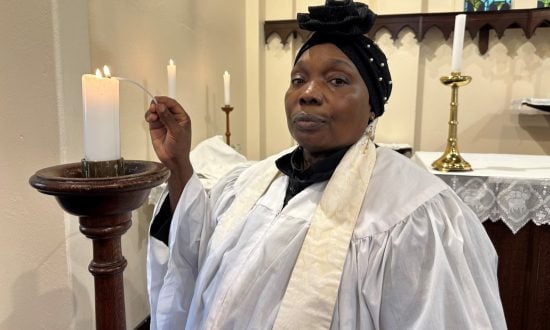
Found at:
(477, 23)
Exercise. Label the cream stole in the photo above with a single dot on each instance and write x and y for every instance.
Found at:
(312, 291)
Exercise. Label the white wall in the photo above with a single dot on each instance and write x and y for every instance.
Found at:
(35, 289)
(46, 47)
(138, 38)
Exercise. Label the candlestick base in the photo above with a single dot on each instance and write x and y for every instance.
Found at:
(102, 169)
(451, 160)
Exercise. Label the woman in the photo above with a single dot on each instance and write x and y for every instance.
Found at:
(334, 234)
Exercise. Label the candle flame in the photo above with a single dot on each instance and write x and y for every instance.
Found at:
(106, 71)
(98, 73)
(171, 62)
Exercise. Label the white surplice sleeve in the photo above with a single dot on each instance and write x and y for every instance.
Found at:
(172, 270)
(157, 257)
(436, 269)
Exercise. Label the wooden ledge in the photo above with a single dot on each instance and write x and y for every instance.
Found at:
(477, 23)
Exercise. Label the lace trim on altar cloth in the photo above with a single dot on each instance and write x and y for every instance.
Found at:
(513, 201)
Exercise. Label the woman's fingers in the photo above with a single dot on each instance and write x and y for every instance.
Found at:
(172, 104)
(168, 119)
(151, 114)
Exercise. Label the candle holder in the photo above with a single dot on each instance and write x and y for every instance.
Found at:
(104, 206)
(227, 109)
(451, 160)
(102, 169)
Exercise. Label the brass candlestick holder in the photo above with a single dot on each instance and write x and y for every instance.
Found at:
(103, 196)
(451, 160)
(227, 109)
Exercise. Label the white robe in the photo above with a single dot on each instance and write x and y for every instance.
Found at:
(419, 258)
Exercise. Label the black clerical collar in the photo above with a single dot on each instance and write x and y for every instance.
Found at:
(299, 178)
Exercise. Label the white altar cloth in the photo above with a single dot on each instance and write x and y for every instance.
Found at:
(511, 188)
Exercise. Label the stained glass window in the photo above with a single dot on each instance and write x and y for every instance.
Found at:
(480, 5)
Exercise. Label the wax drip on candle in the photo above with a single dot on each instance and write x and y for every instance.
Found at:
(107, 74)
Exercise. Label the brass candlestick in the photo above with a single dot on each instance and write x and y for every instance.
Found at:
(451, 160)
(227, 109)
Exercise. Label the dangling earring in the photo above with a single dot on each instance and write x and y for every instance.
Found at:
(371, 128)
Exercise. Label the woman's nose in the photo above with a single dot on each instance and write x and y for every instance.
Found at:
(311, 94)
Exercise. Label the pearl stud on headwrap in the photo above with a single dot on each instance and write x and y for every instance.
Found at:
(344, 23)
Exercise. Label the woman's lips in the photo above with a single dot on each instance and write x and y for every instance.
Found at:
(307, 122)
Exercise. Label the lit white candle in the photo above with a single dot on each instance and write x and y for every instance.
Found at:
(226, 88)
(171, 69)
(101, 117)
(458, 42)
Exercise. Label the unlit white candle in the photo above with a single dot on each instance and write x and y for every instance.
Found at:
(171, 69)
(226, 88)
(458, 42)
(101, 117)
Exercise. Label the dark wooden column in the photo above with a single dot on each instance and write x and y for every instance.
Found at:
(523, 273)
(107, 266)
(104, 207)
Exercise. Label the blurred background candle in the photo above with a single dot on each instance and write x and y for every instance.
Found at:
(171, 69)
(458, 42)
(226, 88)
(101, 117)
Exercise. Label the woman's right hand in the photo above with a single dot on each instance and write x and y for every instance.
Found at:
(170, 130)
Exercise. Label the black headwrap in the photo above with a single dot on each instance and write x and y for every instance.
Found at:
(344, 23)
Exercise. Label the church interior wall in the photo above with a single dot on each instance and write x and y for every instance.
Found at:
(35, 289)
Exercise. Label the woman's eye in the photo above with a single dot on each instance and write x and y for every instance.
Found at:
(338, 82)
(297, 81)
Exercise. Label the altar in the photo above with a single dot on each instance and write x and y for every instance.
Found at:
(511, 195)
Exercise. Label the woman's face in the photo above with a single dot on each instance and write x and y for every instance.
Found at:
(327, 103)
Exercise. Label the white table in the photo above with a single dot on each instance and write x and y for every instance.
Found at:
(511, 188)
(516, 190)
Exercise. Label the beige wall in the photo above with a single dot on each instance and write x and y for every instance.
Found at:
(138, 38)
(514, 67)
(35, 289)
(46, 47)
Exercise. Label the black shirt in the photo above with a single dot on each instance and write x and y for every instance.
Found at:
(290, 164)
(299, 178)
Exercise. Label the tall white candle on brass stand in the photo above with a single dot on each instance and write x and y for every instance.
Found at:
(101, 117)
(451, 160)
(458, 42)
(226, 88)
(171, 69)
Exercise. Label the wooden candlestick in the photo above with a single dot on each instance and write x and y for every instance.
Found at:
(227, 109)
(104, 207)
